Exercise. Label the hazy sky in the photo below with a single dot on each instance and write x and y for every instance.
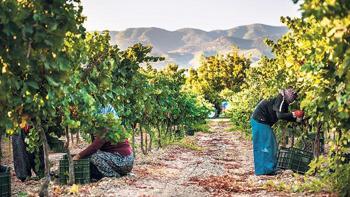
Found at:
(176, 14)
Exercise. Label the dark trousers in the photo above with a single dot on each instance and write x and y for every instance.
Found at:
(24, 161)
(94, 173)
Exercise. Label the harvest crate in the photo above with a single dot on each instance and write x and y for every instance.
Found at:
(309, 143)
(81, 170)
(5, 181)
(294, 159)
(57, 146)
(347, 158)
(190, 132)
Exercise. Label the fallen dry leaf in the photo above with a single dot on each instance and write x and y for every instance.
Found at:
(74, 189)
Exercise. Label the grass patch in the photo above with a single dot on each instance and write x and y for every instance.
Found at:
(298, 184)
(188, 143)
(201, 128)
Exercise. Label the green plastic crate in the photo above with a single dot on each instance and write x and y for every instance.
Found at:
(190, 132)
(294, 159)
(5, 181)
(57, 146)
(309, 142)
(347, 158)
(81, 171)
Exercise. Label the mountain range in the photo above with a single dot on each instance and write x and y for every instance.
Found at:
(185, 46)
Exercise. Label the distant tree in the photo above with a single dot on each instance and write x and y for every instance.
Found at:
(217, 73)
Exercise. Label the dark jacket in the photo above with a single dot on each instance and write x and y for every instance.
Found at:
(269, 111)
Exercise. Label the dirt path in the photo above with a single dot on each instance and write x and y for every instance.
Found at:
(223, 167)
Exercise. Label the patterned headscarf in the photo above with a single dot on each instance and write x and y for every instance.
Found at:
(289, 95)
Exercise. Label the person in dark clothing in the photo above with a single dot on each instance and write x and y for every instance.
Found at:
(108, 159)
(24, 161)
(265, 115)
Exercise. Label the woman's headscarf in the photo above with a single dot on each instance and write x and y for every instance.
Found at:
(289, 95)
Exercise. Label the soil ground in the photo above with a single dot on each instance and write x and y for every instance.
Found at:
(223, 166)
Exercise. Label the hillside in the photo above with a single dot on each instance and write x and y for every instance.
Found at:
(184, 46)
